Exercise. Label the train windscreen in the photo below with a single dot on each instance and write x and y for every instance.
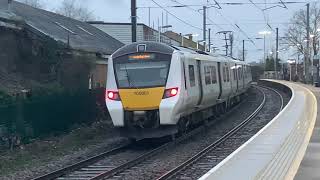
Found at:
(142, 70)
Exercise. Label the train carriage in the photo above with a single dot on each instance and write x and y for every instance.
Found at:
(154, 90)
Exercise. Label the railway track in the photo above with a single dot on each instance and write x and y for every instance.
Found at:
(94, 169)
(205, 159)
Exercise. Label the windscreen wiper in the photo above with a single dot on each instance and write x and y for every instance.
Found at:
(128, 78)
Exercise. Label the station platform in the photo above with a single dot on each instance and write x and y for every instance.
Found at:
(288, 147)
(310, 165)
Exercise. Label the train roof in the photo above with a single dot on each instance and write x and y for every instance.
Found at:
(149, 46)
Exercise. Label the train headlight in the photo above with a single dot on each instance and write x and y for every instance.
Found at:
(113, 95)
(170, 92)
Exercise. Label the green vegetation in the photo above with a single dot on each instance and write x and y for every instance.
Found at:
(42, 115)
(257, 71)
(5, 98)
(270, 64)
(52, 148)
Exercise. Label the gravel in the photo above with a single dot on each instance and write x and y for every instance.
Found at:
(51, 154)
(168, 159)
(204, 164)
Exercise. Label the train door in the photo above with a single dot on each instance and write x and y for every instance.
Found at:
(220, 80)
(232, 80)
(236, 75)
(226, 80)
(184, 83)
(244, 76)
(192, 86)
(200, 89)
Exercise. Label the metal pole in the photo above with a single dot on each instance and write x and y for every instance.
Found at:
(162, 21)
(297, 65)
(242, 50)
(306, 61)
(296, 73)
(149, 17)
(134, 20)
(264, 51)
(231, 44)
(181, 40)
(209, 40)
(225, 37)
(277, 54)
(290, 72)
(167, 20)
(159, 29)
(318, 64)
(204, 25)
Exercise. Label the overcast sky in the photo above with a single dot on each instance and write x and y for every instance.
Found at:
(247, 16)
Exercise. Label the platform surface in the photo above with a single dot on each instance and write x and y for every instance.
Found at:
(277, 150)
(310, 166)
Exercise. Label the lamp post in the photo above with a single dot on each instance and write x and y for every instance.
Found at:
(318, 63)
(290, 64)
(159, 30)
(243, 50)
(264, 33)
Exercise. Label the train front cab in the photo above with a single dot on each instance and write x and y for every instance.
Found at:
(143, 93)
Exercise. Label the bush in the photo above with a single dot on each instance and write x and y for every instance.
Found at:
(39, 116)
(5, 98)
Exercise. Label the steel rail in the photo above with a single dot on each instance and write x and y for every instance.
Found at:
(109, 173)
(202, 153)
(277, 92)
(129, 164)
(81, 164)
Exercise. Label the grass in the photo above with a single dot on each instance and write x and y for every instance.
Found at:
(41, 152)
(5, 98)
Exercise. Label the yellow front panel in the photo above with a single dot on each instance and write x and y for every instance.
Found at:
(141, 99)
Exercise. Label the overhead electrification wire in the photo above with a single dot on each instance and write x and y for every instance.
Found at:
(281, 4)
(236, 27)
(183, 21)
(284, 3)
(263, 12)
(186, 6)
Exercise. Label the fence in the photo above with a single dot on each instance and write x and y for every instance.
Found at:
(34, 117)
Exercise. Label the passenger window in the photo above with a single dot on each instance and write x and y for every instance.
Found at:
(207, 75)
(228, 74)
(192, 76)
(213, 75)
(224, 74)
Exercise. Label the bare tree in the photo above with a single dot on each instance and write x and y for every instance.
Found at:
(297, 30)
(70, 9)
(33, 3)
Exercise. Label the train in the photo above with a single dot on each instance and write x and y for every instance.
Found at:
(155, 90)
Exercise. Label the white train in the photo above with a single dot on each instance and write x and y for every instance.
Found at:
(154, 90)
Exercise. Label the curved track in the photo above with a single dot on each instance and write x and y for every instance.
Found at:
(183, 170)
(92, 169)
